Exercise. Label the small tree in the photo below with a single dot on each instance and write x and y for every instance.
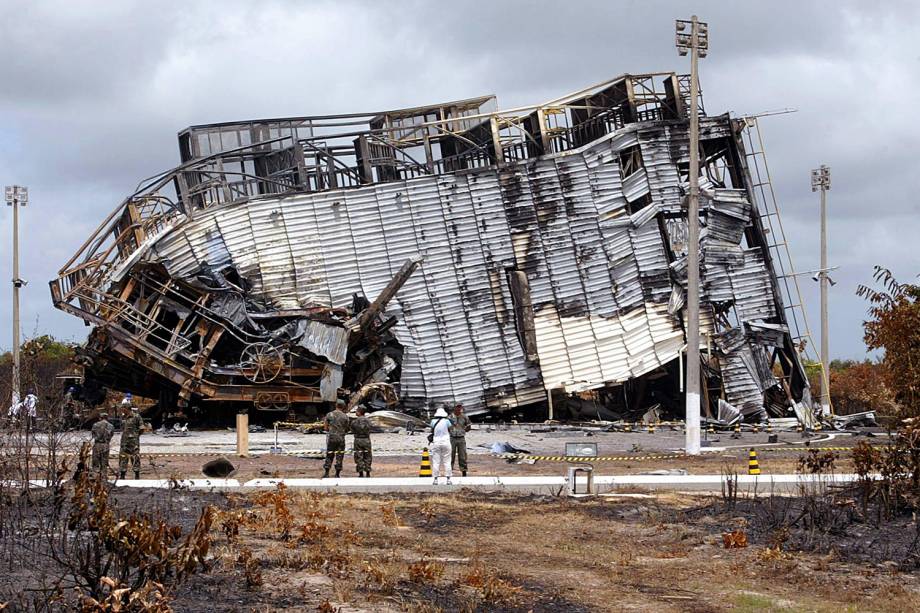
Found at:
(895, 327)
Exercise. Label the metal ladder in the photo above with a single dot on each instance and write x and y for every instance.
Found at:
(762, 186)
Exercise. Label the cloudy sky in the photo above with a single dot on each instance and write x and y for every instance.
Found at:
(93, 94)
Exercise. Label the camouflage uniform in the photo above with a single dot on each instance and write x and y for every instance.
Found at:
(336, 426)
(361, 428)
(459, 426)
(130, 445)
(102, 435)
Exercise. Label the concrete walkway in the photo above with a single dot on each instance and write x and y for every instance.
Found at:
(545, 485)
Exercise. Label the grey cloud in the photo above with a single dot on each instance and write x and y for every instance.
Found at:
(101, 90)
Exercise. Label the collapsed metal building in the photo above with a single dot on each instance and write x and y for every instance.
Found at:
(550, 243)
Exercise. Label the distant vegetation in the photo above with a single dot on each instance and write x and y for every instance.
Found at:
(894, 326)
(41, 360)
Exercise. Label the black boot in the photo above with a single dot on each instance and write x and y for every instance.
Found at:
(121, 475)
(325, 473)
(338, 471)
(367, 474)
(464, 473)
(137, 475)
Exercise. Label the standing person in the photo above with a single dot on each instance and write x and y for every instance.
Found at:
(28, 407)
(13, 412)
(440, 444)
(102, 436)
(361, 428)
(336, 426)
(460, 425)
(131, 444)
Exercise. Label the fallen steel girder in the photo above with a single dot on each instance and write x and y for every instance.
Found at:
(554, 247)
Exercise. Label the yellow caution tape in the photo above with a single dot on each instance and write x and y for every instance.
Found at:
(563, 458)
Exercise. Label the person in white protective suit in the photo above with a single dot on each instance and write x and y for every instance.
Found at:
(14, 407)
(29, 404)
(440, 445)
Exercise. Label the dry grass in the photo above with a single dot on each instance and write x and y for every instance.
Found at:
(501, 553)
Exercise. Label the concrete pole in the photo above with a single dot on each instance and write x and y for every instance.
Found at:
(692, 442)
(16, 283)
(825, 362)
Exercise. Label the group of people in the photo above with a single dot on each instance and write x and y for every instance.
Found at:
(130, 450)
(447, 441)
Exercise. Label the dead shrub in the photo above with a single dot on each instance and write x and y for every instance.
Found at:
(493, 588)
(252, 571)
(736, 539)
(425, 571)
(898, 465)
(817, 463)
(388, 513)
(327, 607)
(277, 501)
(383, 573)
(150, 598)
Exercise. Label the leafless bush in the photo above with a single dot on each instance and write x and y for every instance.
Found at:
(76, 549)
(897, 490)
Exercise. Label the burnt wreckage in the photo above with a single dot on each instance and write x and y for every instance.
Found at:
(508, 254)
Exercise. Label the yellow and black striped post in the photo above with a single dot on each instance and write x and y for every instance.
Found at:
(738, 428)
(627, 428)
(711, 429)
(425, 469)
(753, 466)
(769, 428)
(651, 428)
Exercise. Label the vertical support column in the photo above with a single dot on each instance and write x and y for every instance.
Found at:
(242, 435)
(825, 363)
(692, 442)
(496, 141)
(545, 139)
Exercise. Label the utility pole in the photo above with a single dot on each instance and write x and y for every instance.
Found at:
(16, 196)
(697, 44)
(821, 181)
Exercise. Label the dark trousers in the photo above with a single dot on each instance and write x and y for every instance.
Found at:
(458, 452)
(363, 456)
(335, 451)
(130, 450)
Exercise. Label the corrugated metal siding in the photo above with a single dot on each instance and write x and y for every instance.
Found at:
(600, 279)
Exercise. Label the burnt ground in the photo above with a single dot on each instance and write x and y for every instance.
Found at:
(475, 551)
(482, 552)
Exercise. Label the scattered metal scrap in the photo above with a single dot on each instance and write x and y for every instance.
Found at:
(554, 246)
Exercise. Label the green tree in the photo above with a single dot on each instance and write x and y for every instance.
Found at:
(894, 326)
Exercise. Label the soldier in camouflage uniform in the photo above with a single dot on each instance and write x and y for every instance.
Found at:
(459, 425)
(131, 444)
(361, 428)
(336, 426)
(102, 435)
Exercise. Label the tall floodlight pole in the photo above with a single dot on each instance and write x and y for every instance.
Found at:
(696, 42)
(821, 181)
(16, 196)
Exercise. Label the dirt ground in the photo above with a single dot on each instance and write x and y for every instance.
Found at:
(189, 466)
(474, 552)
